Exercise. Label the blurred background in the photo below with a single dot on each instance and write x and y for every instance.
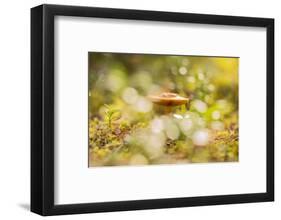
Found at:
(126, 127)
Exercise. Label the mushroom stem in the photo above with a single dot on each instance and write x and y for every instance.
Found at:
(168, 109)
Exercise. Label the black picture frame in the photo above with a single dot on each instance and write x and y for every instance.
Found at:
(42, 109)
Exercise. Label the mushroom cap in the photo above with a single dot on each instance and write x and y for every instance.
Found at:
(168, 99)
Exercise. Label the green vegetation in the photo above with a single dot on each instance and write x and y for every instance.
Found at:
(128, 127)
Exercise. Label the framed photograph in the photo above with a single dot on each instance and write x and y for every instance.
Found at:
(136, 109)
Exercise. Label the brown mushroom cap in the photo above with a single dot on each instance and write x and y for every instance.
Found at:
(168, 99)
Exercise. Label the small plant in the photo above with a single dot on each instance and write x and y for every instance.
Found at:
(111, 114)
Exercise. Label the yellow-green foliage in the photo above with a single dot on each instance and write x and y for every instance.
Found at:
(126, 128)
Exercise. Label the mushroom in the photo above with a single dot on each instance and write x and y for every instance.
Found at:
(168, 100)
